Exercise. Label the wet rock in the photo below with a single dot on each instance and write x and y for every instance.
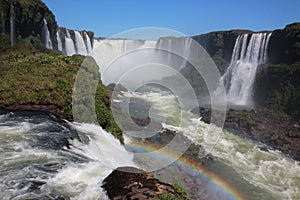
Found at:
(31, 184)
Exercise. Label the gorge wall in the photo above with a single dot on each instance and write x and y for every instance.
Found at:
(35, 23)
(276, 85)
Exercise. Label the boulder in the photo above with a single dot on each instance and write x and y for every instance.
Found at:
(135, 184)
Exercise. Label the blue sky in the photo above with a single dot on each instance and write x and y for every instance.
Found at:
(191, 17)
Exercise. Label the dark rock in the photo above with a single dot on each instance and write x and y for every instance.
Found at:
(284, 45)
(135, 184)
(31, 184)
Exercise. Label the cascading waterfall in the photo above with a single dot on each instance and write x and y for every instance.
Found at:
(80, 44)
(69, 44)
(59, 42)
(165, 50)
(105, 51)
(249, 52)
(46, 35)
(88, 43)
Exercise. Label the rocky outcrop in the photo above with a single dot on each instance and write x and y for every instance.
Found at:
(174, 172)
(53, 109)
(135, 184)
(277, 130)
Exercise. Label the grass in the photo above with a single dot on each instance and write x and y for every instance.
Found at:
(180, 194)
(30, 77)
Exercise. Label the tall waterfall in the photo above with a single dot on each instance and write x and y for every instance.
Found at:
(80, 44)
(46, 35)
(69, 44)
(88, 43)
(249, 52)
(59, 42)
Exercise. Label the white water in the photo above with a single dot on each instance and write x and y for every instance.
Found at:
(59, 43)
(84, 180)
(276, 175)
(106, 51)
(69, 44)
(249, 52)
(28, 154)
(80, 44)
(46, 35)
(88, 43)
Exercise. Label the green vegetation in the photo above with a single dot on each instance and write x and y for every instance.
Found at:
(29, 77)
(243, 115)
(283, 93)
(180, 194)
(29, 15)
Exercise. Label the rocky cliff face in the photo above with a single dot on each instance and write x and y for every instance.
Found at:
(219, 45)
(277, 84)
(29, 16)
(284, 45)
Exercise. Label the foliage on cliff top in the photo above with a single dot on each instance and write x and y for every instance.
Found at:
(29, 77)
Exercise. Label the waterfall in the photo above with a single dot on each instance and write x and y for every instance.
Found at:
(249, 52)
(73, 42)
(69, 44)
(166, 51)
(105, 51)
(88, 43)
(80, 44)
(59, 42)
(46, 35)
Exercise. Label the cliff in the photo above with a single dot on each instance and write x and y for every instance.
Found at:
(29, 22)
(277, 84)
(219, 45)
(284, 45)
(29, 16)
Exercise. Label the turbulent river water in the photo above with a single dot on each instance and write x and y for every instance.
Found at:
(42, 157)
(38, 162)
(256, 170)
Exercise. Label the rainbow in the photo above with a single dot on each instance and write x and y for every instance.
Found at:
(226, 188)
